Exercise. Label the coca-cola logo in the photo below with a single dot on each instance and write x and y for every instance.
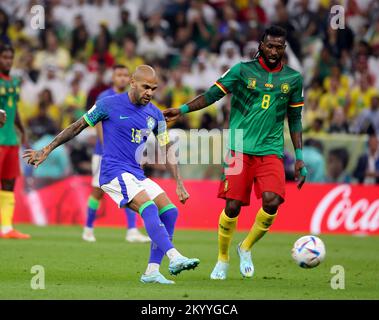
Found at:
(338, 210)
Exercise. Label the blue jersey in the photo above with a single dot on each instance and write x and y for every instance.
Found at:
(126, 127)
(99, 146)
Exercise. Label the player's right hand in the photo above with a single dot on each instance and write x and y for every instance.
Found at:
(35, 158)
(182, 193)
(300, 173)
(171, 114)
(3, 118)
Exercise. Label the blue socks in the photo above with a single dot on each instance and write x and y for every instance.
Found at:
(168, 216)
(154, 226)
(93, 205)
(131, 218)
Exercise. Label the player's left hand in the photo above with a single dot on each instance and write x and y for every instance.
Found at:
(35, 157)
(182, 193)
(300, 173)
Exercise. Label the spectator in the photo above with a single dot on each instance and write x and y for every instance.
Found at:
(373, 65)
(101, 52)
(368, 120)
(367, 168)
(53, 111)
(338, 160)
(126, 28)
(152, 46)
(56, 166)
(50, 79)
(361, 97)
(336, 97)
(74, 104)
(127, 55)
(52, 55)
(79, 39)
(200, 18)
(314, 158)
(41, 122)
(229, 55)
(4, 24)
(338, 123)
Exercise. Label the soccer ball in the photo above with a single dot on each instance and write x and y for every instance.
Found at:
(308, 251)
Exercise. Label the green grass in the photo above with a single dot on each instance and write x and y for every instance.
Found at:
(111, 268)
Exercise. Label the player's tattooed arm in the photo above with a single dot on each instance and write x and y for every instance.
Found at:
(173, 168)
(37, 157)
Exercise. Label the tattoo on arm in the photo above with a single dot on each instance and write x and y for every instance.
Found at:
(171, 161)
(68, 133)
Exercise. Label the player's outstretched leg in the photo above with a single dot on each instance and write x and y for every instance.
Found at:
(168, 216)
(158, 234)
(132, 233)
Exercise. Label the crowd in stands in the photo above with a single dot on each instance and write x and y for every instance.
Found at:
(191, 43)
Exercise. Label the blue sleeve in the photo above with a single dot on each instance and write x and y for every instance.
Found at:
(161, 129)
(103, 95)
(97, 113)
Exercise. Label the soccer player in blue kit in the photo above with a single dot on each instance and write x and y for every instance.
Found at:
(127, 120)
(120, 80)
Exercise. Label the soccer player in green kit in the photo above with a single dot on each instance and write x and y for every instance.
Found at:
(9, 160)
(263, 92)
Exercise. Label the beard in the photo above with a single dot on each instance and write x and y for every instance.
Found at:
(268, 63)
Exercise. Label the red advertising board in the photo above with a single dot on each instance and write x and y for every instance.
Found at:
(317, 208)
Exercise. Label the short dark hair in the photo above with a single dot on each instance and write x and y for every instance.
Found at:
(6, 47)
(342, 154)
(120, 66)
(274, 31)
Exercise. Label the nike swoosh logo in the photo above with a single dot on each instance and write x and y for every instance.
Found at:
(123, 117)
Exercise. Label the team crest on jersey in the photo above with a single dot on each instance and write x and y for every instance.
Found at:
(285, 87)
(150, 123)
(2, 91)
(251, 83)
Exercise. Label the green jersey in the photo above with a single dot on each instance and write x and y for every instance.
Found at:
(261, 98)
(9, 96)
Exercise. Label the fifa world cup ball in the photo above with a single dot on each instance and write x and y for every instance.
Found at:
(308, 251)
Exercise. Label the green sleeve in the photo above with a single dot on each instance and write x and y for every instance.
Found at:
(297, 96)
(224, 85)
(295, 106)
(294, 119)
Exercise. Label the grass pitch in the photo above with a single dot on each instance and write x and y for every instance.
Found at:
(111, 267)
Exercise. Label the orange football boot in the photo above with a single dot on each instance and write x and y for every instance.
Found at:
(14, 234)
